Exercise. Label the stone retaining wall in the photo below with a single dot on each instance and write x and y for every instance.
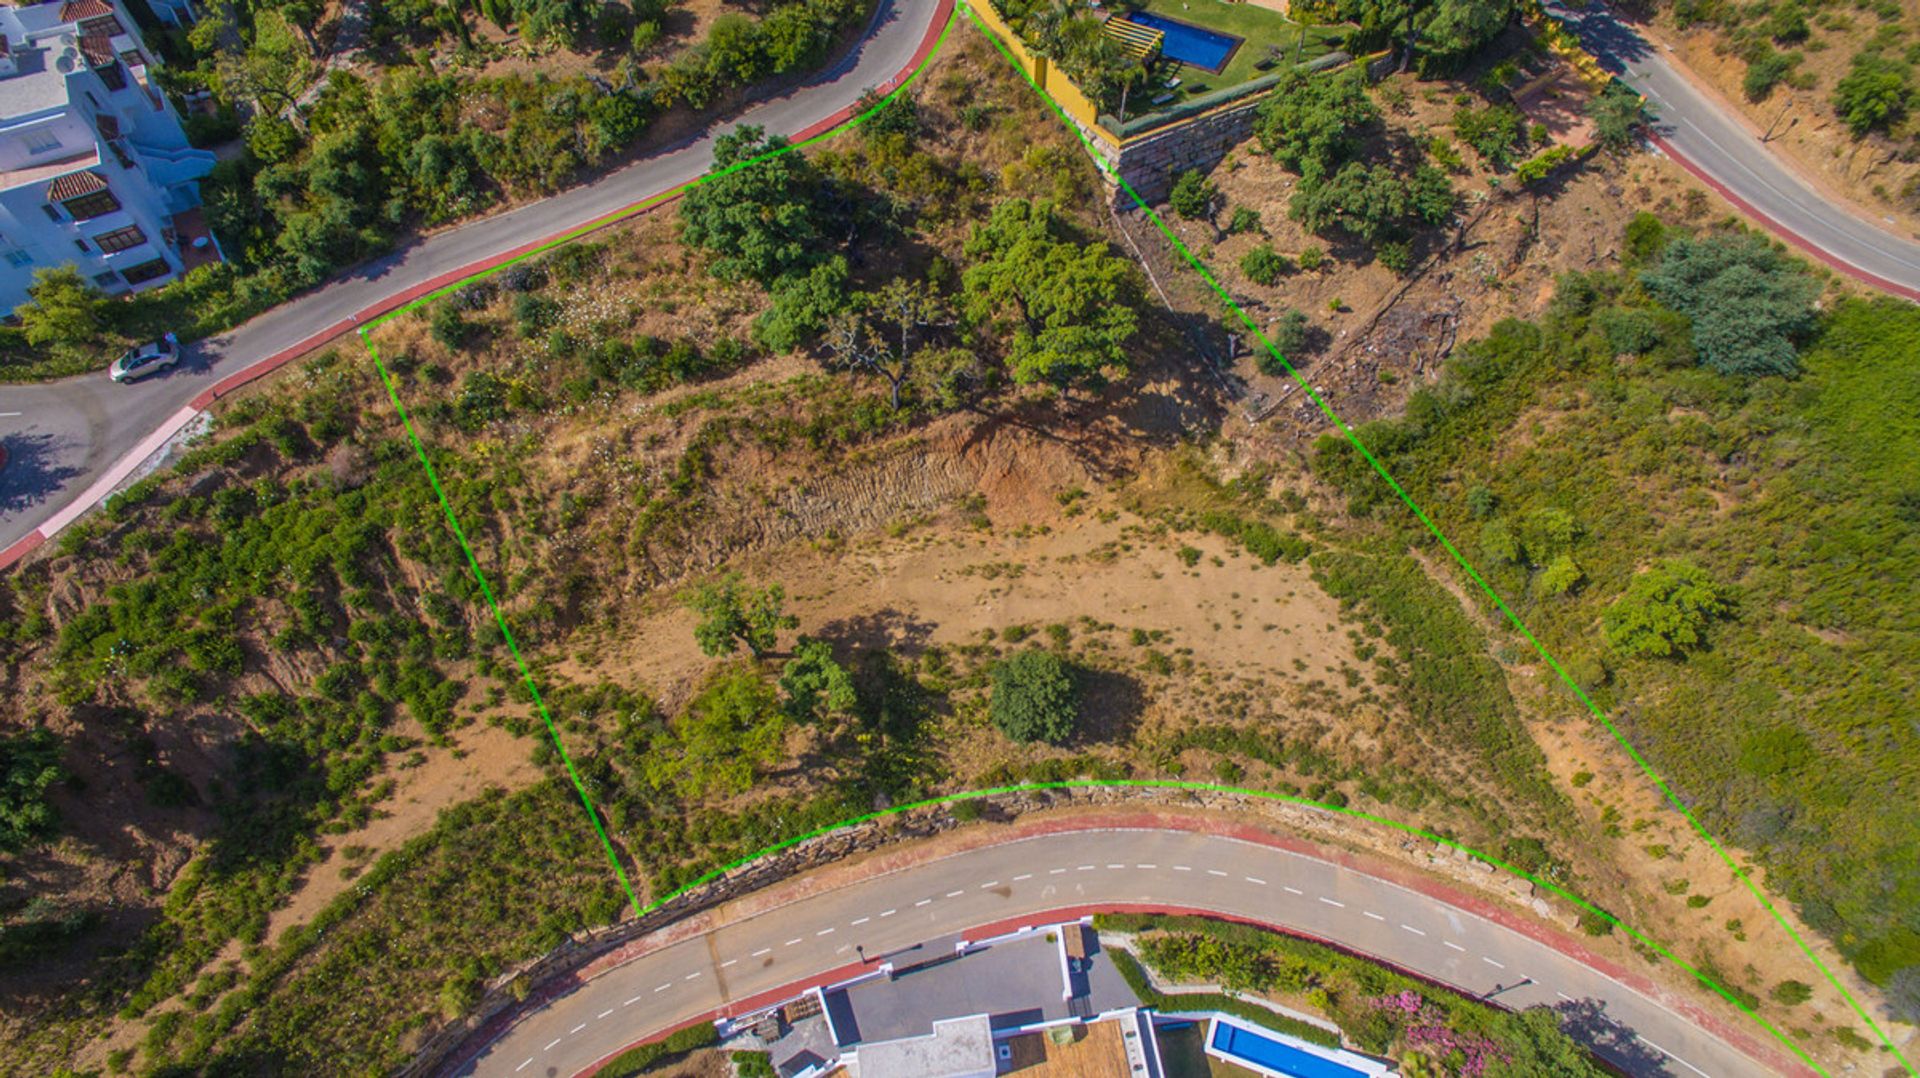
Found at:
(1150, 164)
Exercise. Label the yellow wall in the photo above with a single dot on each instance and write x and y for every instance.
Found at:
(1044, 75)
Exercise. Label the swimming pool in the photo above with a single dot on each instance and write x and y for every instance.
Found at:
(1274, 1057)
(1188, 43)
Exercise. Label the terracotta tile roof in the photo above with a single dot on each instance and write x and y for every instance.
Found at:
(98, 49)
(75, 184)
(75, 10)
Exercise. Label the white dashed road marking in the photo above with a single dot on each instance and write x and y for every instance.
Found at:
(1675, 1058)
(1373, 915)
(1255, 880)
(551, 1043)
(662, 987)
(1216, 872)
(861, 921)
(523, 1066)
(1055, 871)
(955, 894)
(1413, 930)
(633, 1001)
(1292, 890)
(989, 885)
(1491, 962)
(824, 932)
(576, 1029)
(1331, 902)
(761, 952)
(922, 902)
(728, 962)
(790, 943)
(888, 913)
(1023, 876)
(1455, 946)
(1146, 868)
(606, 1012)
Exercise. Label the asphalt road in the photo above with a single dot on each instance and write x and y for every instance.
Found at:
(912, 906)
(67, 434)
(1705, 131)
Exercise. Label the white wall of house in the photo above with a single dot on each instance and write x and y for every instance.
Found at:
(66, 109)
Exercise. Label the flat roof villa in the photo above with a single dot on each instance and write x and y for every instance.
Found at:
(1042, 1002)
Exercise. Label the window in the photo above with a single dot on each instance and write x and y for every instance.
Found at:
(82, 245)
(113, 75)
(39, 142)
(19, 257)
(52, 212)
(147, 271)
(108, 279)
(91, 205)
(120, 239)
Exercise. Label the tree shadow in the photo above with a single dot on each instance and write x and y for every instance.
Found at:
(32, 470)
(1589, 1024)
(1111, 703)
(886, 629)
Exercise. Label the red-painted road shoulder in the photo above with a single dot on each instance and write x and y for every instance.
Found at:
(1147, 819)
(1838, 264)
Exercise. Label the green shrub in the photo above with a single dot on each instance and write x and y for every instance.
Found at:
(1034, 698)
(1265, 266)
(1192, 194)
(638, 1059)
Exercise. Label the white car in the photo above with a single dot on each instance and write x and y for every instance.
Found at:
(145, 359)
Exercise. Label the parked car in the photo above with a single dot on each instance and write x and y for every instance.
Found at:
(145, 359)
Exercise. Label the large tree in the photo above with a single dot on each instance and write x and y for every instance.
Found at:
(732, 614)
(29, 763)
(66, 312)
(883, 331)
(1034, 697)
(1665, 611)
(1748, 302)
(1068, 301)
(760, 219)
(1311, 123)
(732, 729)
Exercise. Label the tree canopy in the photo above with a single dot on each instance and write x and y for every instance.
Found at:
(1665, 611)
(732, 614)
(1311, 123)
(761, 221)
(815, 684)
(1034, 697)
(732, 729)
(29, 763)
(1068, 301)
(1748, 302)
(66, 312)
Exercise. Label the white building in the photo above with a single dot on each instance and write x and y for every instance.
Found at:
(94, 167)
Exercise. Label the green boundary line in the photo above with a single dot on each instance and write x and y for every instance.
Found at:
(593, 814)
(1460, 559)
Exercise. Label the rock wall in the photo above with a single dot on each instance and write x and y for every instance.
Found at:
(1150, 164)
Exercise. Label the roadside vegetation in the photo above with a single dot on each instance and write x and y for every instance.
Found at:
(337, 165)
(1424, 1029)
(1699, 508)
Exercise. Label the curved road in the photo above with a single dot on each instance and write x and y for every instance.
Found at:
(68, 439)
(1704, 134)
(688, 980)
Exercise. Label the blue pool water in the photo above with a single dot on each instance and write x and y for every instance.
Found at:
(1274, 1056)
(1189, 44)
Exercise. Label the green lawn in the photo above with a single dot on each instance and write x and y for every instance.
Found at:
(1257, 26)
